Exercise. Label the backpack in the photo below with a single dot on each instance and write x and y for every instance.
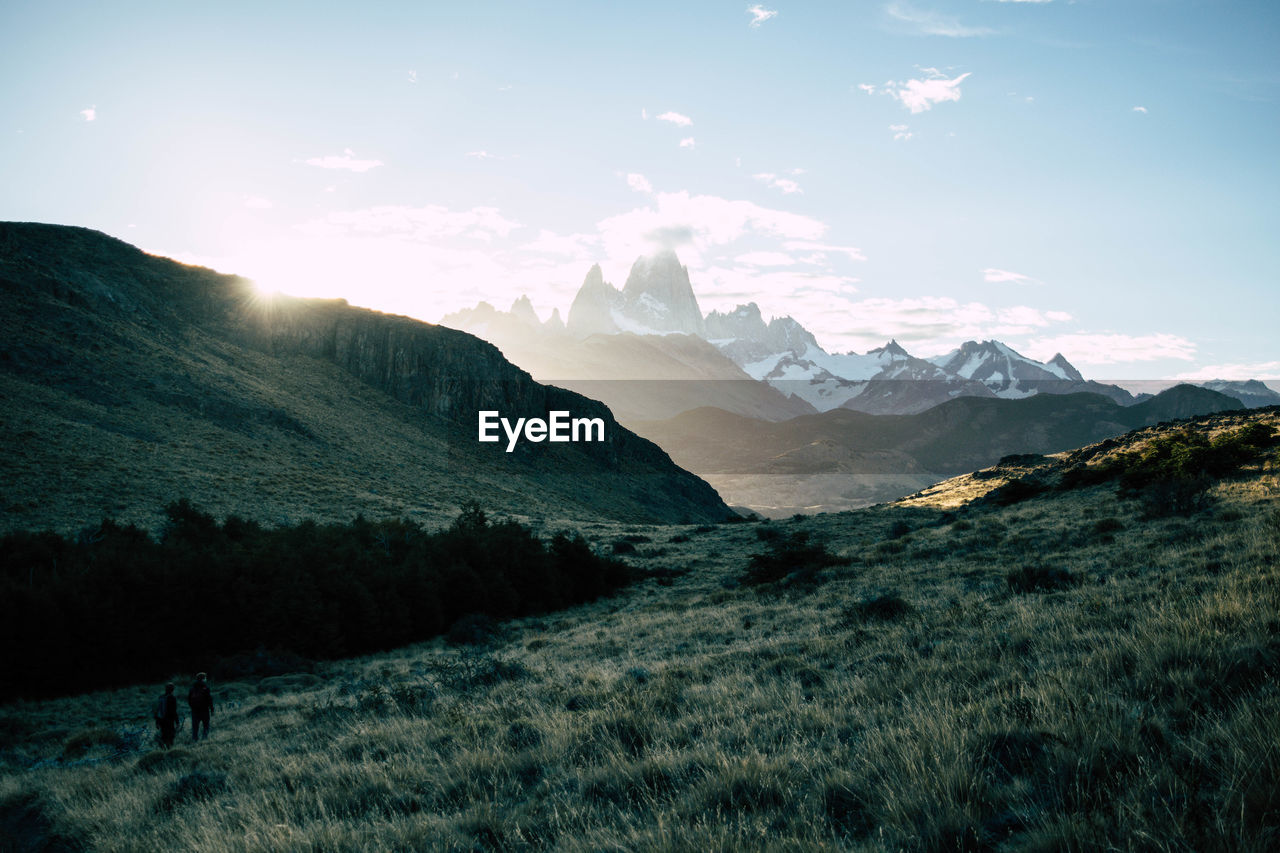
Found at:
(159, 712)
(199, 696)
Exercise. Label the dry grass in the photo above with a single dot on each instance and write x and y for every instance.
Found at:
(913, 699)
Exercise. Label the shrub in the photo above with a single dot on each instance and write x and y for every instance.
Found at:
(83, 741)
(1042, 579)
(897, 530)
(1016, 491)
(793, 558)
(885, 607)
(195, 786)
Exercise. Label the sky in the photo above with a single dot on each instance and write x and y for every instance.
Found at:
(1098, 178)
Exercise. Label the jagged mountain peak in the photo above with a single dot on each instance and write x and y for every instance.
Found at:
(522, 309)
(892, 349)
(659, 296)
(1059, 361)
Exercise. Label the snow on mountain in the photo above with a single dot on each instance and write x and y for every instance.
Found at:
(1008, 373)
(658, 299)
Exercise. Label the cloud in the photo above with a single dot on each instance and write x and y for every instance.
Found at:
(1113, 348)
(786, 185)
(413, 76)
(676, 118)
(482, 155)
(1142, 110)
(760, 14)
(1256, 370)
(927, 326)
(639, 183)
(1024, 1)
(347, 161)
(921, 95)
(578, 247)
(700, 225)
(257, 202)
(90, 113)
(766, 259)
(688, 142)
(854, 253)
(415, 223)
(933, 23)
(868, 88)
(996, 276)
(901, 131)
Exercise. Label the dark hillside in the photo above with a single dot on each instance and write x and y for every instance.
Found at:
(130, 380)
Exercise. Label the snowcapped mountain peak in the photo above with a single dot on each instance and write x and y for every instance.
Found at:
(1067, 368)
(658, 295)
(891, 350)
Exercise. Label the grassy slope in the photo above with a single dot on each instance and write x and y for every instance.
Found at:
(1138, 710)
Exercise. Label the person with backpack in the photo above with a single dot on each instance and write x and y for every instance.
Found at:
(200, 699)
(166, 714)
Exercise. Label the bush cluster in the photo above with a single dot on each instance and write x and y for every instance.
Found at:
(115, 605)
(1190, 455)
(793, 559)
(1173, 472)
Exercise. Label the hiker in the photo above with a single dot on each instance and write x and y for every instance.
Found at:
(201, 701)
(167, 715)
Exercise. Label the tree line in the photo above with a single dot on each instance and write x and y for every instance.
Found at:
(114, 604)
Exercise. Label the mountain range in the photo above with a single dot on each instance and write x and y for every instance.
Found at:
(598, 343)
(779, 425)
(843, 459)
(130, 381)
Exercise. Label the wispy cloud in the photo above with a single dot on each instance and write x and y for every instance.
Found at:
(417, 223)
(578, 247)
(413, 76)
(853, 252)
(996, 276)
(688, 142)
(639, 183)
(1114, 348)
(933, 23)
(760, 14)
(89, 113)
(921, 95)
(766, 259)
(1256, 370)
(925, 325)
(676, 119)
(700, 223)
(901, 131)
(786, 185)
(1142, 110)
(482, 155)
(347, 161)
